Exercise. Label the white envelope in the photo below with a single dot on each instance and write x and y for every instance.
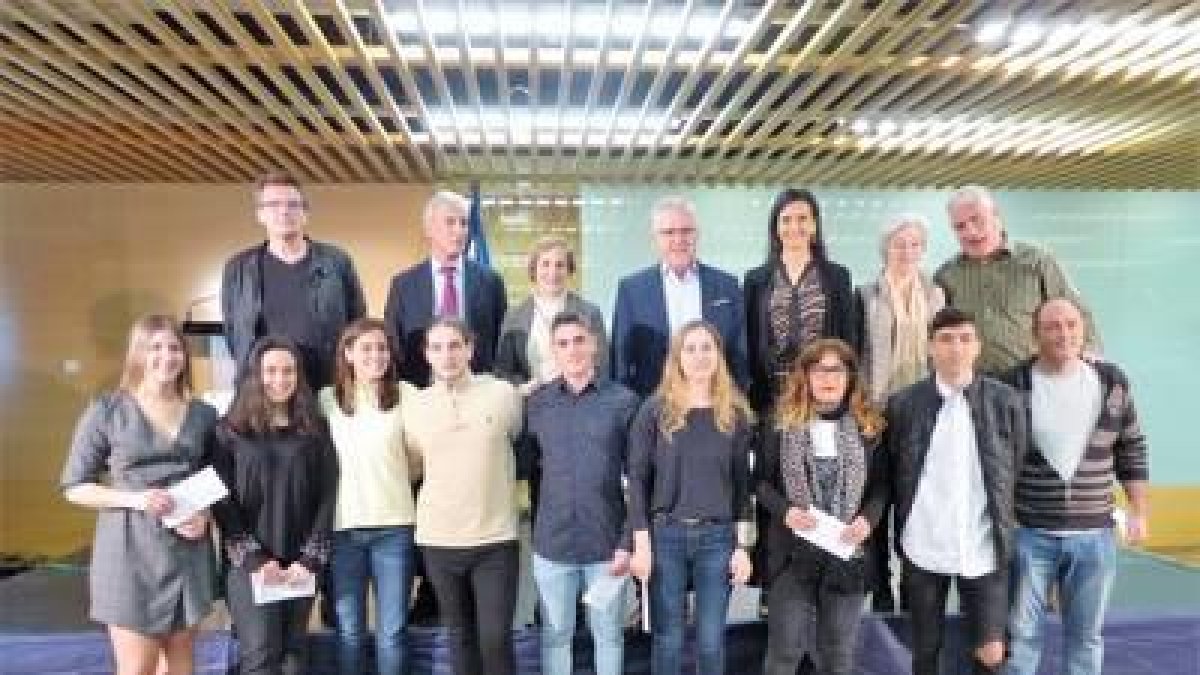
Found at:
(267, 593)
(604, 590)
(827, 535)
(194, 494)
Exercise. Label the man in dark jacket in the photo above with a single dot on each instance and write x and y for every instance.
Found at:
(654, 302)
(289, 286)
(445, 284)
(954, 443)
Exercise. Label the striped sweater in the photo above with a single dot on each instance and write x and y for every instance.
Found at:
(1116, 451)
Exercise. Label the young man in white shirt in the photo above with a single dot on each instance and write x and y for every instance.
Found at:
(955, 441)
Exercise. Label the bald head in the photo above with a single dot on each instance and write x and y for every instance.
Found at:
(1060, 330)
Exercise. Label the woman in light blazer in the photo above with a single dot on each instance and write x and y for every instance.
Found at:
(895, 309)
(523, 353)
(893, 312)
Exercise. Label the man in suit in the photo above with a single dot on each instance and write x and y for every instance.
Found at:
(654, 302)
(444, 284)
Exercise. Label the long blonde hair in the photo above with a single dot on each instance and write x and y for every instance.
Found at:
(728, 403)
(795, 406)
(140, 335)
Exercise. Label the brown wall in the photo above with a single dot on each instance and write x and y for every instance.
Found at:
(79, 262)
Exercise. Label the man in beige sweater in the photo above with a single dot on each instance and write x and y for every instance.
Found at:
(463, 427)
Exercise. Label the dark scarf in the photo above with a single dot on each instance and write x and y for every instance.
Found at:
(796, 464)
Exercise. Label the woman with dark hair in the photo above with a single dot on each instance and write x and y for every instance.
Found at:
(373, 524)
(820, 454)
(797, 296)
(151, 584)
(689, 497)
(274, 454)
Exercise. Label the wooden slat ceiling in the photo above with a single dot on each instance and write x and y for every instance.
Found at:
(1033, 93)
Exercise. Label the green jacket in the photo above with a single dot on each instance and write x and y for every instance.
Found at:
(1003, 292)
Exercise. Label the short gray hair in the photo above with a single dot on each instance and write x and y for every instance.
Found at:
(445, 199)
(972, 194)
(677, 203)
(901, 222)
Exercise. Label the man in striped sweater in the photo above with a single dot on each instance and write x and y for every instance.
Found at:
(1086, 437)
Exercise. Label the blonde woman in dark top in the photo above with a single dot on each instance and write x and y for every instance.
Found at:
(689, 497)
(275, 456)
(820, 454)
(151, 584)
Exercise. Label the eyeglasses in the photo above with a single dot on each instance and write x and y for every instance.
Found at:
(677, 231)
(283, 204)
(829, 370)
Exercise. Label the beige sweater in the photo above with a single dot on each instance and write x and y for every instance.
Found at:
(465, 441)
(375, 479)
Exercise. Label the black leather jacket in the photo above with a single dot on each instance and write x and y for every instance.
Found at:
(1001, 433)
(334, 288)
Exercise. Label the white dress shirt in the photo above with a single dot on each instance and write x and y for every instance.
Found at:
(682, 295)
(948, 530)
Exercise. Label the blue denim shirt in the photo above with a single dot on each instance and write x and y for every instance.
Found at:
(575, 445)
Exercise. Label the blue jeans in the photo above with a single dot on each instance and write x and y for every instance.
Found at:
(1084, 566)
(385, 556)
(699, 554)
(559, 587)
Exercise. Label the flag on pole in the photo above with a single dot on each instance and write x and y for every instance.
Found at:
(477, 246)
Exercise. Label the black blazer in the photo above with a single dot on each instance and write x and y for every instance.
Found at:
(409, 312)
(782, 546)
(841, 321)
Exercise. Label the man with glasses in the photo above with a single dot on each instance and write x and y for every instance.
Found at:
(654, 302)
(289, 286)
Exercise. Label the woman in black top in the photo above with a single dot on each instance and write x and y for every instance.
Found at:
(820, 453)
(276, 458)
(689, 491)
(798, 295)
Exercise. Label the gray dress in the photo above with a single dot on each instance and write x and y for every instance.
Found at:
(144, 577)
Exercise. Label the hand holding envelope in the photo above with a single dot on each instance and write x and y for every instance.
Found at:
(192, 495)
(826, 532)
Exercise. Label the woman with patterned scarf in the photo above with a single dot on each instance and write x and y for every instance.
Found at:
(820, 454)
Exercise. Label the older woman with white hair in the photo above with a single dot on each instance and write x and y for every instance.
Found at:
(896, 308)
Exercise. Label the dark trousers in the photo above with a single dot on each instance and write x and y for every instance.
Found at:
(477, 593)
(273, 638)
(983, 604)
(808, 618)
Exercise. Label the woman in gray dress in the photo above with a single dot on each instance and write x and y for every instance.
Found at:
(151, 585)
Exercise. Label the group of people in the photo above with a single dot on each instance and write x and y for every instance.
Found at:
(963, 421)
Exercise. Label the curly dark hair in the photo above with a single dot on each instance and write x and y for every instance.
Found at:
(251, 413)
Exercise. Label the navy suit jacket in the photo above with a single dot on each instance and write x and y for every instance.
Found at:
(641, 332)
(409, 312)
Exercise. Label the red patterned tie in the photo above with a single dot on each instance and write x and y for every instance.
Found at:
(449, 293)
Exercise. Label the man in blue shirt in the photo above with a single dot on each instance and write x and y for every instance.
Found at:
(576, 431)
